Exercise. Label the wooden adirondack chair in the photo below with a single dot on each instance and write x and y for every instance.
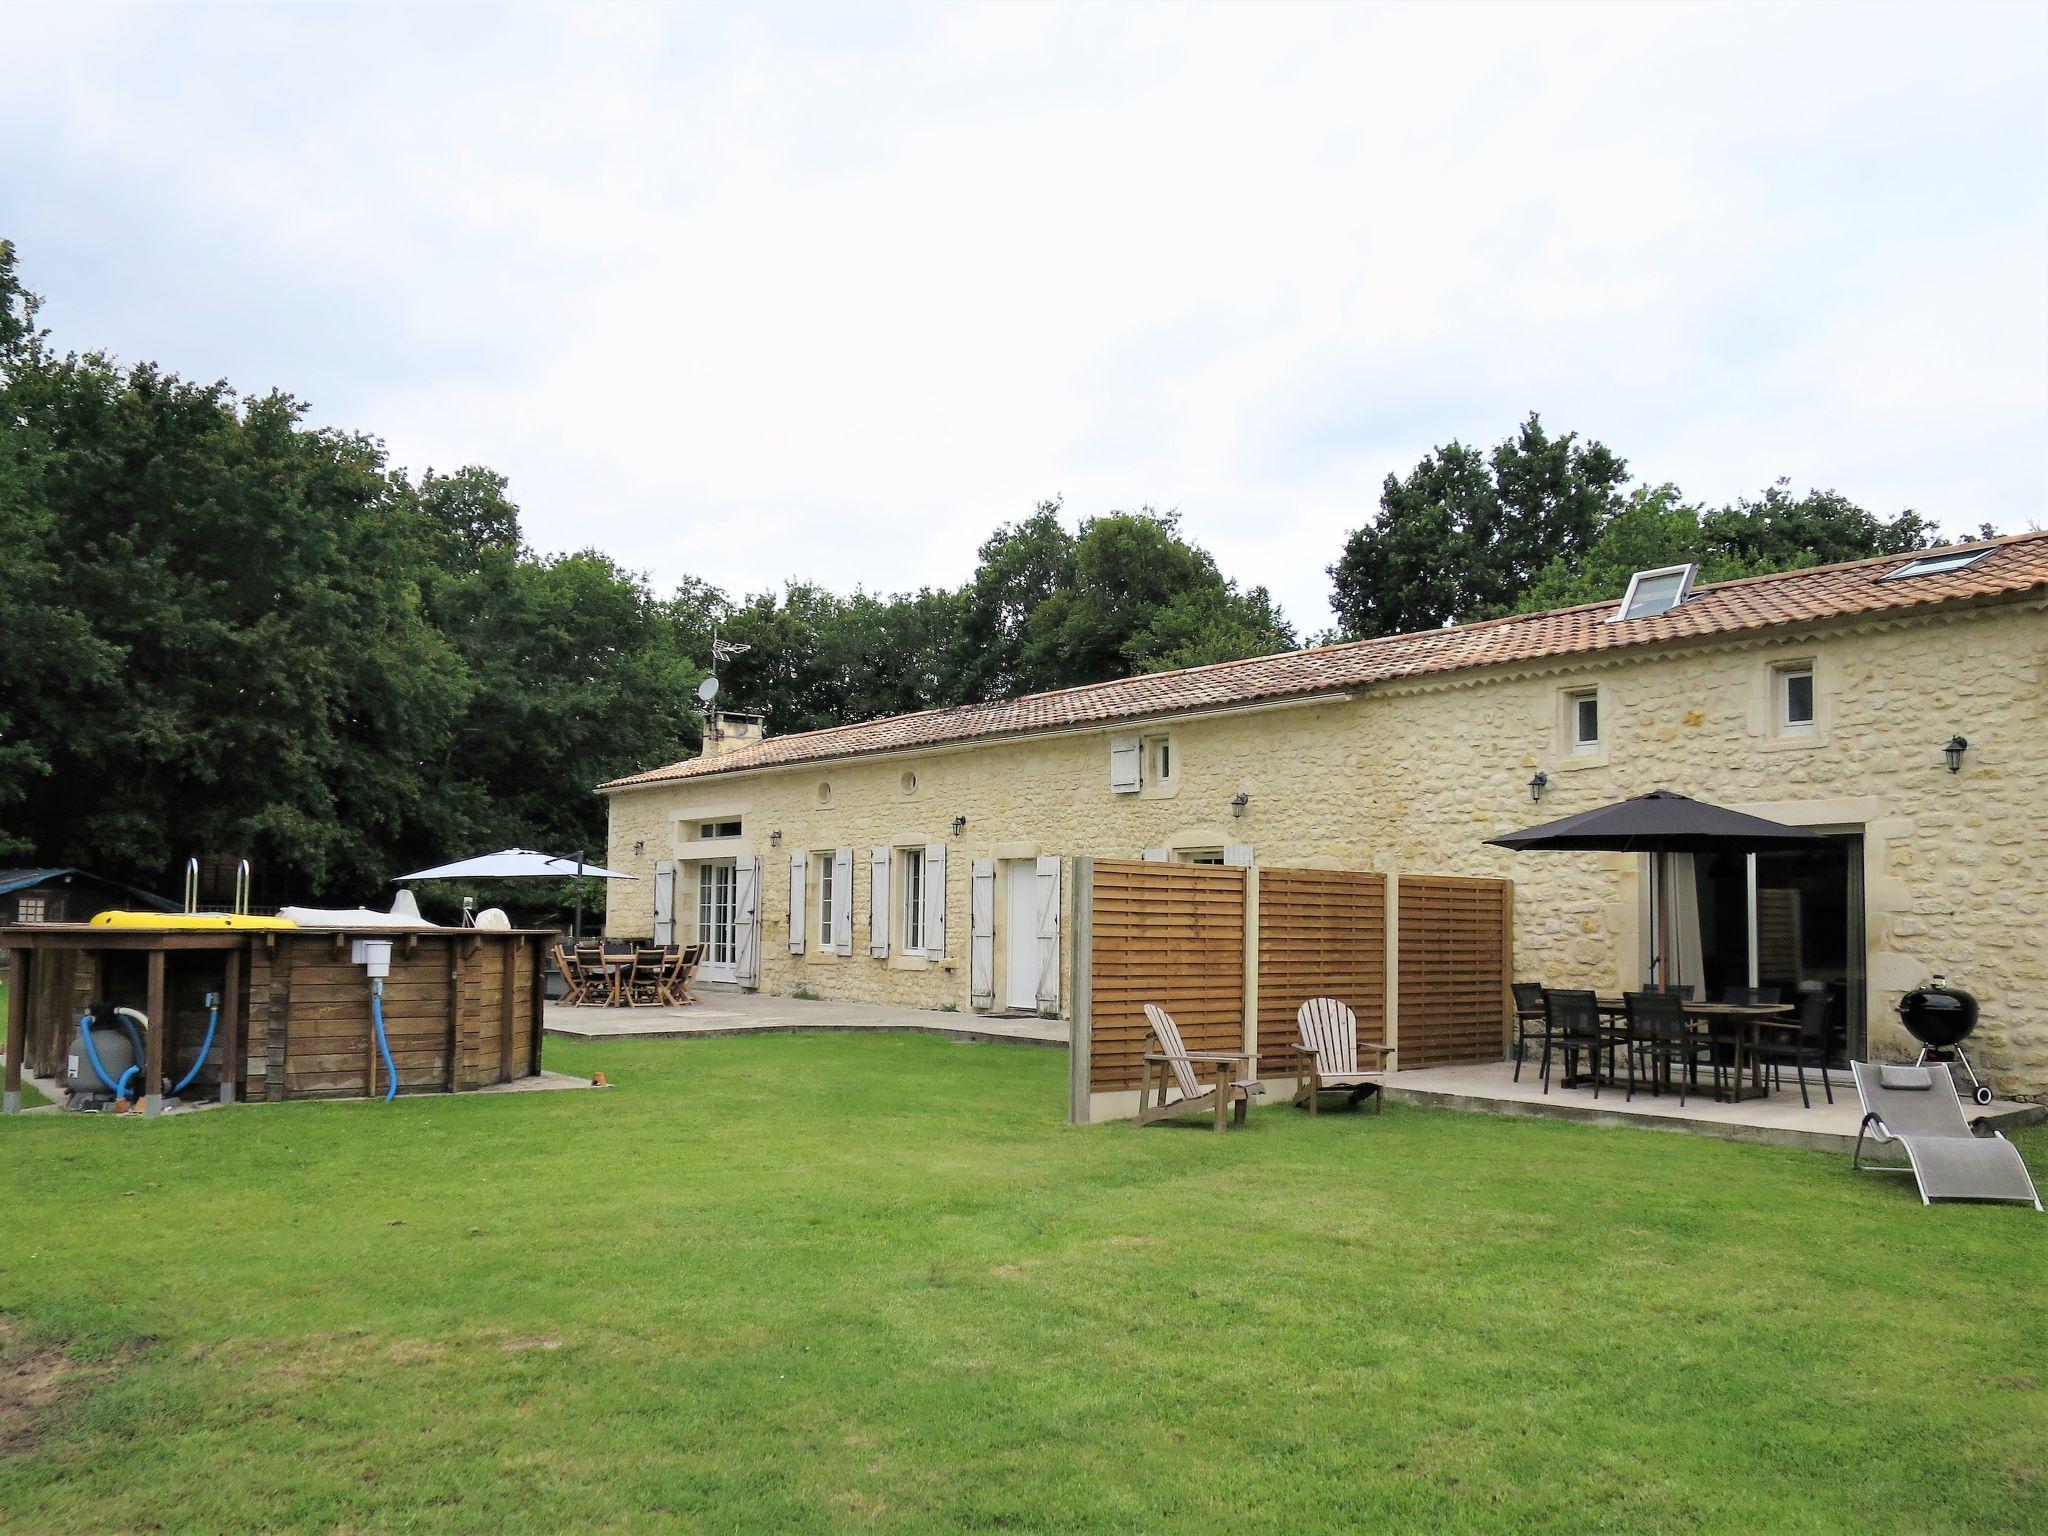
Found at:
(1329, 1048)
(1228, 1090)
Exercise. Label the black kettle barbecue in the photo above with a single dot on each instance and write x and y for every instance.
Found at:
(1941, 1017)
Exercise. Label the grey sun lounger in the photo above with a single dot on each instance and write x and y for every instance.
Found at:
(1918, 1108)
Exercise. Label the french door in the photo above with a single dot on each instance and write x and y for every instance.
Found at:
(718, 919)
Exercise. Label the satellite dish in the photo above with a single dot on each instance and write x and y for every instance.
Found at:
(707, 690)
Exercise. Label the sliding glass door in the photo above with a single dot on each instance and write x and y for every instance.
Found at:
(1790, 919)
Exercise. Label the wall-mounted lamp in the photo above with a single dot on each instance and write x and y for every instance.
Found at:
(775, 839)
(959, 825)
(1539, 784)
(1238, 802)
(1954, 751)
(639, 843)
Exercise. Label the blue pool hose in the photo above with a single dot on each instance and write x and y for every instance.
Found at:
(383, 1047)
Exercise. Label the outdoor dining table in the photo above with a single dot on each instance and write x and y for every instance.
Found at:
(1753, 1019)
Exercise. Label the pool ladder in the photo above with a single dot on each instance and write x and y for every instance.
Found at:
(242, 883)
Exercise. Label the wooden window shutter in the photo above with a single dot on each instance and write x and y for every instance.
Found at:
(664, 901)
(1049, 932)
(981, 906)
(935, 900)
(878, 902)
(1126, 764)
(842, 901)
(797, 873)
(1238, 855)
(1157, 855)
(747, 921)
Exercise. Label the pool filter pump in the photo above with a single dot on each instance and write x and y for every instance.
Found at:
(106, 1058)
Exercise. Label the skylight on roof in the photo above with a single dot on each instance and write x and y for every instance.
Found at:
(1935, 565)
(1654, 592)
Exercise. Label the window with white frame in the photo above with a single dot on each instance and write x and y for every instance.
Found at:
(708, 831)
(1793, 686)
(821, 864)
(1582, 719)
(32, 909)
(910, 872)
(1159, 760)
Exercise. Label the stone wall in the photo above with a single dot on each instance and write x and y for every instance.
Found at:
(1414, 777)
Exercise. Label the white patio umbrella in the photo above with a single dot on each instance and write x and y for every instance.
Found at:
(520, 864)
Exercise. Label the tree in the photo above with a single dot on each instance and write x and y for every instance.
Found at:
(1020, 567)
(1777, 532)
(1463, 535)
(1142, 598)
(259, 674)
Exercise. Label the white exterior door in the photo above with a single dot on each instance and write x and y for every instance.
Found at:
(718, 920)
(1020, 935)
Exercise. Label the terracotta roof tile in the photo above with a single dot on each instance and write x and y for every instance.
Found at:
(2013, 567)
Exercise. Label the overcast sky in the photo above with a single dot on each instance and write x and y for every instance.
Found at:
(830, 291)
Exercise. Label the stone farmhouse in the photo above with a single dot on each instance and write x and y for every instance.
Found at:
(1894, 705)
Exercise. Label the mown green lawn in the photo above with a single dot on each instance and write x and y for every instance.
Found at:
(873, 1283)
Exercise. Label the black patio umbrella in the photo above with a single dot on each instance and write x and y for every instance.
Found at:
(1661, 822)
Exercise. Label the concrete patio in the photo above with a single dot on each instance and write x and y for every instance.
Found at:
(724, 1013)
(1778, 1121)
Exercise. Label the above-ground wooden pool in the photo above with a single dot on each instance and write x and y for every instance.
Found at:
(462, 1007)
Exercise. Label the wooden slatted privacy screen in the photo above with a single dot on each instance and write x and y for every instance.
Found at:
(1454, 942)
(1175, 934)
(1171, 934)
(1321, 933)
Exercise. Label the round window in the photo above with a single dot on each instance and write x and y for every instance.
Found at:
(824, 793)
(909, 783)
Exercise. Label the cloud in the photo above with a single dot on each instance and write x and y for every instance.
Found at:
(828, 292)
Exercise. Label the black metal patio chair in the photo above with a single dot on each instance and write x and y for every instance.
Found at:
(1803, 1048)
(1660, 1037)
(1572, 1027)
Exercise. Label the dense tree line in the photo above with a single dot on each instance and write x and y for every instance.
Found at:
(228, 633)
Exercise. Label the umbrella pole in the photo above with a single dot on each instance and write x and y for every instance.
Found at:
(1656, 920)
(579, 896)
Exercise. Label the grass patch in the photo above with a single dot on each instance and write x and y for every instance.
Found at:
(872, 1283)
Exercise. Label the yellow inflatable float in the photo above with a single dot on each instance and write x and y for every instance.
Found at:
(192, 922)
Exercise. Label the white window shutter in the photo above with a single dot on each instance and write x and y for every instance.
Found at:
(1156, 855)
(842, 901)
(982, 941)
(1126, 767)
(747, 922)
(797, 873)
(664, 901)
(935, 900)
(878, 902)
(1049, 932)
(1238, 854)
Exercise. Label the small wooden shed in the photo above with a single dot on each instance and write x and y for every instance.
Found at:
(462, 1007)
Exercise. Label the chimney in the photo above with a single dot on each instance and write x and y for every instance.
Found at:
(725, 733)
